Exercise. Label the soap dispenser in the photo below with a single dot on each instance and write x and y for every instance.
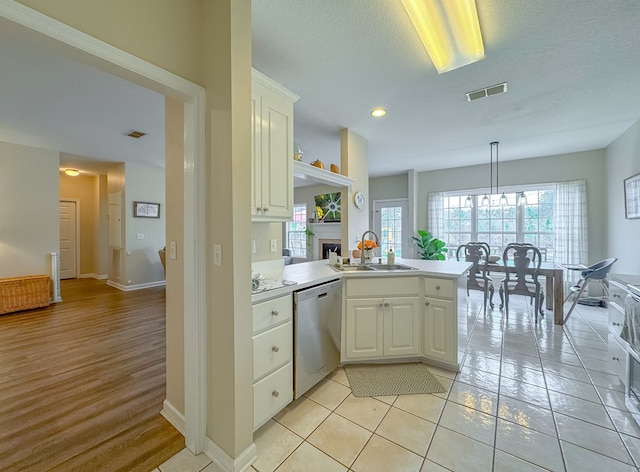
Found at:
(391, 257)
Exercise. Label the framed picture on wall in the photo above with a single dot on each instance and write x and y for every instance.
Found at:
(632, 197)
(146, 210)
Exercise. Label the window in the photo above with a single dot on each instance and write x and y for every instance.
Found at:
(297, 232)
(500, 225)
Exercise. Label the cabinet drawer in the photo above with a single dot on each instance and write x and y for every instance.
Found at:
(272, 349)
(616, 319)
(272, 394)
(617, 294)
(382, 286)
(618, 357)
(271, 313)
(440, 288)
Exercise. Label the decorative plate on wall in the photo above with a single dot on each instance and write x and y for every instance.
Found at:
(359, 200)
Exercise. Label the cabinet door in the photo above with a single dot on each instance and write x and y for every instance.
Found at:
(277, 158)
(363, 328)
(256, 154)
(439, 337)
(402, 326)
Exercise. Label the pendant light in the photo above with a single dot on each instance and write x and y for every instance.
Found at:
(468, 203)
(503, 198)
(522, 199)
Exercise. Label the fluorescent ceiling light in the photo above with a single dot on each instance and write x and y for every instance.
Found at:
(449, 30)
(377, 112)
(72, 172)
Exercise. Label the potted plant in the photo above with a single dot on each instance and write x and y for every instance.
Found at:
(430, 248)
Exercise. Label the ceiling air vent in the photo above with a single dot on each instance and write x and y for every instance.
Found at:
(486, 92)
(136, 134)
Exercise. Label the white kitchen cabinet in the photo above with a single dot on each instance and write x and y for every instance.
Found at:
(272, 358)
(438, 336)
(271, 150)
(381, 326)
(617, 347)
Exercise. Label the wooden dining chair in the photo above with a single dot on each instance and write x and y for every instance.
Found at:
(526, 260)
(478, 278)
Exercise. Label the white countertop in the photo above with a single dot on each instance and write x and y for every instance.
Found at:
(307, 274)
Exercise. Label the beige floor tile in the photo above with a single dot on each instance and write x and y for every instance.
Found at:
(469, 422)
(504, 462)
(529, 445)
(389, 399)
(381, 455)
(340, 438)
(309, 459)
(364, 411)
(213, 467)
(302, 416)
(425, 406)
(407, 430)
(328, 393)
(429, 466)
(474, 397)
(450, 374)
(274, 443)
(339, 375)
(579, 459)
(460, 453)
(185, 461)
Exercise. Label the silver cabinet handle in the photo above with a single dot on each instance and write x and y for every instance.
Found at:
(274, 313)
(426, 303)
(275, 348)
(275, 393)
(265, 210)
(614, 358)
(616, 324)
(380, 304)
(437, 287)
(387, 304)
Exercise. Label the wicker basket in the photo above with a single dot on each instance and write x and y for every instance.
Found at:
(24, 293)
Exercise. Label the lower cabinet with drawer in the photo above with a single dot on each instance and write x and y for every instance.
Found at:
(272, 358)
(617, 347)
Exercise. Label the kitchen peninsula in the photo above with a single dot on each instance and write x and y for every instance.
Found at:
(417, 313)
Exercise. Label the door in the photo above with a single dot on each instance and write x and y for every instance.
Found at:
(68, 240)
(363, 328)
(391, 223)
(402, 326)
(438, 336)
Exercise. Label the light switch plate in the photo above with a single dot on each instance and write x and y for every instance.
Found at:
(274, 245)
(173, 250)
(217, 255)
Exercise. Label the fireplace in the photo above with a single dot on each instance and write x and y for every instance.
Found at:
(328, 245)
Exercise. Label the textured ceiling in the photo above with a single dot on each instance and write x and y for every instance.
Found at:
(573, 68)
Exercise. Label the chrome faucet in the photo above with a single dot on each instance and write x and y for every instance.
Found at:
(362, 243)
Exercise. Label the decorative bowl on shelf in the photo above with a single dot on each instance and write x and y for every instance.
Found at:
(318, 164)
(335, 169)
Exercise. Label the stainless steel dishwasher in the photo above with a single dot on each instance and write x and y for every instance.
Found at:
(317, 325)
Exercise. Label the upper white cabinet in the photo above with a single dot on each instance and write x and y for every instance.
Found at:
(271, 150)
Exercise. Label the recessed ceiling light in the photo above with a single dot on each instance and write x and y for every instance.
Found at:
(378, 112)
(72, 172)
(135, 134)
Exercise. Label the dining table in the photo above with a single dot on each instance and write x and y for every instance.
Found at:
(554, 275)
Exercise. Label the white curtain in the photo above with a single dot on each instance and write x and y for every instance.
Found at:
(570, 223)
(436, 214)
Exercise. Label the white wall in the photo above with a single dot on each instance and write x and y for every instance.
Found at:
(386, 188)
(144, 184)
(29, 211)
(623, 160)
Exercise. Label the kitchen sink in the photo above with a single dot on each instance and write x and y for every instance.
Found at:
(391, 267)
(353, 268)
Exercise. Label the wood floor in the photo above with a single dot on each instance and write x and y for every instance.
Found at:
(82, 383)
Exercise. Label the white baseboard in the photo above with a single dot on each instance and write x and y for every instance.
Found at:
(128, 288)
(173, 416)
(227, 463)
(93, 276)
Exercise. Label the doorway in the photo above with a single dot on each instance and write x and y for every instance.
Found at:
(391, 223)
(69, 230)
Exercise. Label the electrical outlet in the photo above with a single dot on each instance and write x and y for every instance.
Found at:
(253, 246)
(274, 245)
(140, 236)
(173, 250)
(217, 255)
